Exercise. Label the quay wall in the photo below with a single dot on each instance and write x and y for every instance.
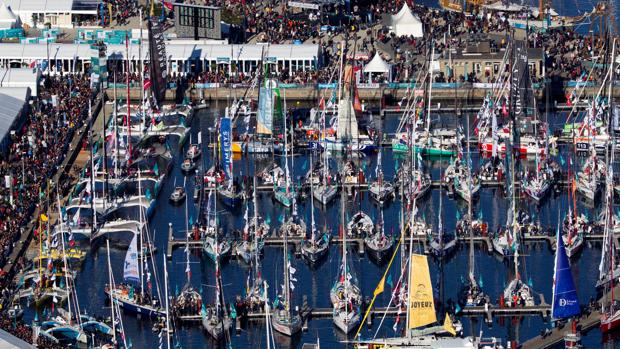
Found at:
(314, 93)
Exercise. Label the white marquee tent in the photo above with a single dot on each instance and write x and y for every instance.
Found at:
(405, 23)
(377, 65)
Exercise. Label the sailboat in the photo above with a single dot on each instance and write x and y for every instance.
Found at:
(127, 296)
(282, 191)
(253, 233)
(441, 245)
(589, 179)
(347, 136)
(283, 319)
(608, 269)
(421, 314)
(380, 189)
(215, 319)
(229, 191)
(142, 300)
(538, 186)
(315, 248)
(472, 294)
(345, 295)
(517, 292)
(360, 225)
(378, 243)
(189, 301)
(212, 245)
(434, 141)
(565, 302)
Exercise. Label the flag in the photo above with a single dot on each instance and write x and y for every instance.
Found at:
(168, 5)
(33, 64)
(147, 83)
(44, 217)
(448, 326)
(156, 169)
(389, 281)
(380, 287)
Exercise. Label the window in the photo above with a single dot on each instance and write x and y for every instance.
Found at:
(205, 18)
(186, 17)
(477, 68)
(495, 68)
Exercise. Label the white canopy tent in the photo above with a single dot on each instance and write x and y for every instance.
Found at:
(7, 18)
(378, 65)
(405, 23)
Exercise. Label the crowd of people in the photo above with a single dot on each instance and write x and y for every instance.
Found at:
(117, 12)
(25, 333)
(37, 149)
(268, 21)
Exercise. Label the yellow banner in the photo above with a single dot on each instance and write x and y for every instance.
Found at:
(422, 307)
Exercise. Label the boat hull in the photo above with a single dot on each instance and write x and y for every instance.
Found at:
(287, 328)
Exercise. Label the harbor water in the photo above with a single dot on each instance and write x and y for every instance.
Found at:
(448, 275)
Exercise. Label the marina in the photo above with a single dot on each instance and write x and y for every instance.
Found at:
(220, 174)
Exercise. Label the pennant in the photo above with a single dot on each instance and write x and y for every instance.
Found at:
(44, 217)
(168, 5)
(448, 326)
(380, 287)
(147, 83)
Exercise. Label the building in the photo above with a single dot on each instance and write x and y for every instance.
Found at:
(484, 59)
(14, 108)
(58, 13)
(182, 57)
(197, 22)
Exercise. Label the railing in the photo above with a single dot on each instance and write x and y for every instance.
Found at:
(362, 86)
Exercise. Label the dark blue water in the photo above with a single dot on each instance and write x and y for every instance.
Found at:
(315, 284)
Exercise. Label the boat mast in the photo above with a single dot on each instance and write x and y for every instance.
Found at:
(115, 159)
(470, 213)
(255, 240)
(344, 244)
(142, 92)
(167, 305)
(128, 115)
(141, 229)
(287, 299)
(430, 91)
(312, 225)
(342, 43)
(111, 288)
(64, 258)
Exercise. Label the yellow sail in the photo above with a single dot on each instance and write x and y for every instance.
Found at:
(422, 308)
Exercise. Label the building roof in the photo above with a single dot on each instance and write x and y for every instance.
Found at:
(12, 101)
(8, 341)
(532, 53)
(19, 77)
(53, 6)
(174, 51)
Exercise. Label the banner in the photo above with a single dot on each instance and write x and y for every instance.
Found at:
(225, 146)
(368, 85)
(158, 65)
(520, 81)
(266, 102)
(303, 5)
